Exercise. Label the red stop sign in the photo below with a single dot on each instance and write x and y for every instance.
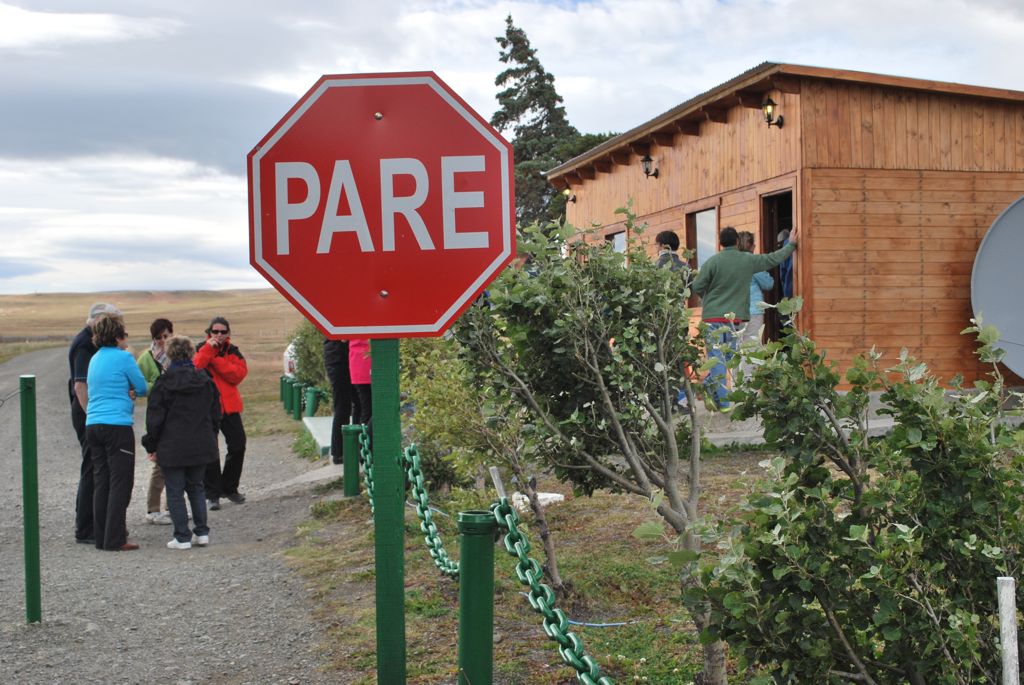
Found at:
(381, 205)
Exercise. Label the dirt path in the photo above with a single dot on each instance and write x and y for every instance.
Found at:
(230, 613)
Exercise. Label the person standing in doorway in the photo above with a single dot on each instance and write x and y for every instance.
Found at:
(152, 364)
(336, 357)
(724, 286)
(786, 267)
(761, 283)
(79, 355)
(226, 365)
(114, 382)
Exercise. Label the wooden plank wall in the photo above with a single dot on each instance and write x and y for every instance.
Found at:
(893, 252)
(671, 219)
(724, 157)
(853, 126)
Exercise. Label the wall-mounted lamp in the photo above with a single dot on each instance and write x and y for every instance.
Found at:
(648, 166)
(569, 195)
(768, 107)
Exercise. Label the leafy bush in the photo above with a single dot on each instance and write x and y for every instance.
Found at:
(437, 394)
(871, 560)
(309, 356)
(590, 347)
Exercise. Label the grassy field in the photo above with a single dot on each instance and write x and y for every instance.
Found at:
(617, 579)
(261, 325)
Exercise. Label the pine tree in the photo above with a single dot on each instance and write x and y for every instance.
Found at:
(532, 110)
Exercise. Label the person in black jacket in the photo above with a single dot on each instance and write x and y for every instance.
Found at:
(182, 420)
(336, 367)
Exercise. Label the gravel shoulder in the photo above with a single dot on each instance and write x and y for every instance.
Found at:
(229, 613)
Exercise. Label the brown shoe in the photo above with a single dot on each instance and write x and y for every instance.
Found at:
(128, 547)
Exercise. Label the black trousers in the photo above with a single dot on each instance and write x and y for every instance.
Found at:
(83, 499)
(362, 406)
(181, 481)
(225, 482)
(342, 392)
(113, 467)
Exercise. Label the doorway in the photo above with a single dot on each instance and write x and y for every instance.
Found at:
(776, 216)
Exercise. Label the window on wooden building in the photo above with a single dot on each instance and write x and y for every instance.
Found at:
(702, 235)
(702, 238)
(618, 241)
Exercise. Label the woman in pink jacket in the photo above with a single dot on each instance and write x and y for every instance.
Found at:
(359, 369)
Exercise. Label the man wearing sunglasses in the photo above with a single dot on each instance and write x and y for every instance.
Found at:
(226, 365)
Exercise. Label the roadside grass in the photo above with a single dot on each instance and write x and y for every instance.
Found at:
(305, 446)
(615, 578)
(10, 350)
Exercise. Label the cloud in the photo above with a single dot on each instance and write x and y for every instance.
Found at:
(123, 222)
(29, 30)
(14, 268)
(212, 124)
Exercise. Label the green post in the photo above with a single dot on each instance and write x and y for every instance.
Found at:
(297, 389)
(284, 380)
(350, 453)
(476, 597)
(30, 499)
(288, 382)
(312, 400)
(389, 516)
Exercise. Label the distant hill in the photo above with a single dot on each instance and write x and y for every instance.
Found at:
(253, 313)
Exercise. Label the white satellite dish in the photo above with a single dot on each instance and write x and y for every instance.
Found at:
(997, 289)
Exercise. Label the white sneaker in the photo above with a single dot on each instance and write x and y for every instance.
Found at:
(174, 544)
(160, 518)
(201, 540)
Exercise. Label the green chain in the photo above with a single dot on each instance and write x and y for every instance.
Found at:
(542, 598)
(367, 455)
(419, 493)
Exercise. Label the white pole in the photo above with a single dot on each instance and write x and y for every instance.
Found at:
(1008, 629)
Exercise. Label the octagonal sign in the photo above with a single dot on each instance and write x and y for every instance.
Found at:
(381, 205)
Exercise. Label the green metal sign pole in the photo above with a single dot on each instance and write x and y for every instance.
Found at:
(389, 516)
(476, 597)
(30, 498)
(350, 453)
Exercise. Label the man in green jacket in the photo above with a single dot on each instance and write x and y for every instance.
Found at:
(724, 286)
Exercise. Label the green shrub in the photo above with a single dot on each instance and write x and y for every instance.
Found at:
(871, 560)
(309, 356)
(444, 418)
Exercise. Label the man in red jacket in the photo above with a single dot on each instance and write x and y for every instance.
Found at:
(226, 365)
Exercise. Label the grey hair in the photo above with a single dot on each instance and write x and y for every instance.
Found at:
(99, 309)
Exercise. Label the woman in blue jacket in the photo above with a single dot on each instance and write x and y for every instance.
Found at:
(114, 381)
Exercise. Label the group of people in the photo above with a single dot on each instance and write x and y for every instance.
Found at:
(348, 367)
(731, 284)
(192, 396)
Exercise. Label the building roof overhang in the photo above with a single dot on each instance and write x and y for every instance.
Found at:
(746, 90)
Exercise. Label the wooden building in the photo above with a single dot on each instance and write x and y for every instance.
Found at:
(893, 182)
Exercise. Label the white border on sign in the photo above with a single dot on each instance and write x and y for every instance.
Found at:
(506, 232)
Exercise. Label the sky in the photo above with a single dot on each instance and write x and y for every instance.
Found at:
(124, 124)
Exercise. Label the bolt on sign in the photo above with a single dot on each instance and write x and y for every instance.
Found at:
(381, 205)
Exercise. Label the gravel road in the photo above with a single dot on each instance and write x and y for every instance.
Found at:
(229, 613)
